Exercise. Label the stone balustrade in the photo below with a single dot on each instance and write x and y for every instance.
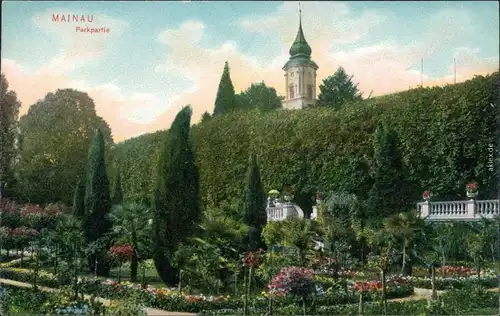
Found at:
(282, 211)
(459, 210)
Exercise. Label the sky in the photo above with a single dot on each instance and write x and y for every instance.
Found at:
(160, 56)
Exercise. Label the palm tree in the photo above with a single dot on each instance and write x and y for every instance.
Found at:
(405, 228)
(132, 224)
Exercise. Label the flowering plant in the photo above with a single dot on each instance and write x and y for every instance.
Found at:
(427, 195)
(367, 286)
(472, 187)
(293, 281)
(456, 270)
(122, 252)
(253, 259)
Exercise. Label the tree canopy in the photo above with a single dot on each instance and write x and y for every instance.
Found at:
(56, 135)
(338, 89)
(259, 96)
(9, 113)
(226, 98)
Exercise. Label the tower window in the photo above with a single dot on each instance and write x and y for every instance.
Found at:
(309, 91)
(291, 92)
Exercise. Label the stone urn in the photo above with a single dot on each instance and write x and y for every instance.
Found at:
(472, 195)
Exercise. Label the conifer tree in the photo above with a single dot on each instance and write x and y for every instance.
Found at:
(118, 193)
(176, 201)
(255, 205)
(79, 200)
(389, 193)
(226, 98)
(338, 89)
(97, 204)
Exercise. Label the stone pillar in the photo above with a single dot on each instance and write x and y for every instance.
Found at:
(471, 209)
(424, 211)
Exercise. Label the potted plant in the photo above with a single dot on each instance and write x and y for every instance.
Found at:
(472, 189)
(427, 195)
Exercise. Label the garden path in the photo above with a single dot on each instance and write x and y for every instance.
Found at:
(149, 311)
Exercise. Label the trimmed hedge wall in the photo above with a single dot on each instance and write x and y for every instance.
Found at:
(445, 134)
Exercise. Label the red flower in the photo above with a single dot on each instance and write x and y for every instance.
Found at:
(367, 286)
(122, 252)
(253, 259)
(472, 187)
(427, 195)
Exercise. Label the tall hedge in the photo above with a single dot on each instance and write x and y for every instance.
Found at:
(444, 134)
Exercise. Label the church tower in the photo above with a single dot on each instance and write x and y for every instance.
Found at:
(300, 74)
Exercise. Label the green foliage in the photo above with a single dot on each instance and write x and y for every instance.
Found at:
(328, 150)
(97, 202)
(132, 224)
(226, 98)
(338, 89)
(259, 96)
(223, 226)
(130, 306)
(255, 205)
(176, 205)
(205, 117)
(21, 301)
(273, 233)
(9, 112)
(200, 262)
(56, 135)
(117, 192)
(138, 161)
(79, 199)
(389, 193)
(273, 262)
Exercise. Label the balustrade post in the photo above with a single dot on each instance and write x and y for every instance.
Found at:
(471, 209)
(425, 210)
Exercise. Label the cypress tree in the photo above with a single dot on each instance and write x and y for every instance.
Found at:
(226, 98)
(389, 193)
(97, 204)
(176, 202)
(79, 200)
(255, 206)
(117, 193)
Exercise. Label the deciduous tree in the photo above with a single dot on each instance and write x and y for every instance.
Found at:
(56, 135)
(259, 96)
(9, 112)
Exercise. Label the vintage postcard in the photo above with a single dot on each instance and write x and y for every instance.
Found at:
(249, 158)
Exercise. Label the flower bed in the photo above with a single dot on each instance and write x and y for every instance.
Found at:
(448, 283)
